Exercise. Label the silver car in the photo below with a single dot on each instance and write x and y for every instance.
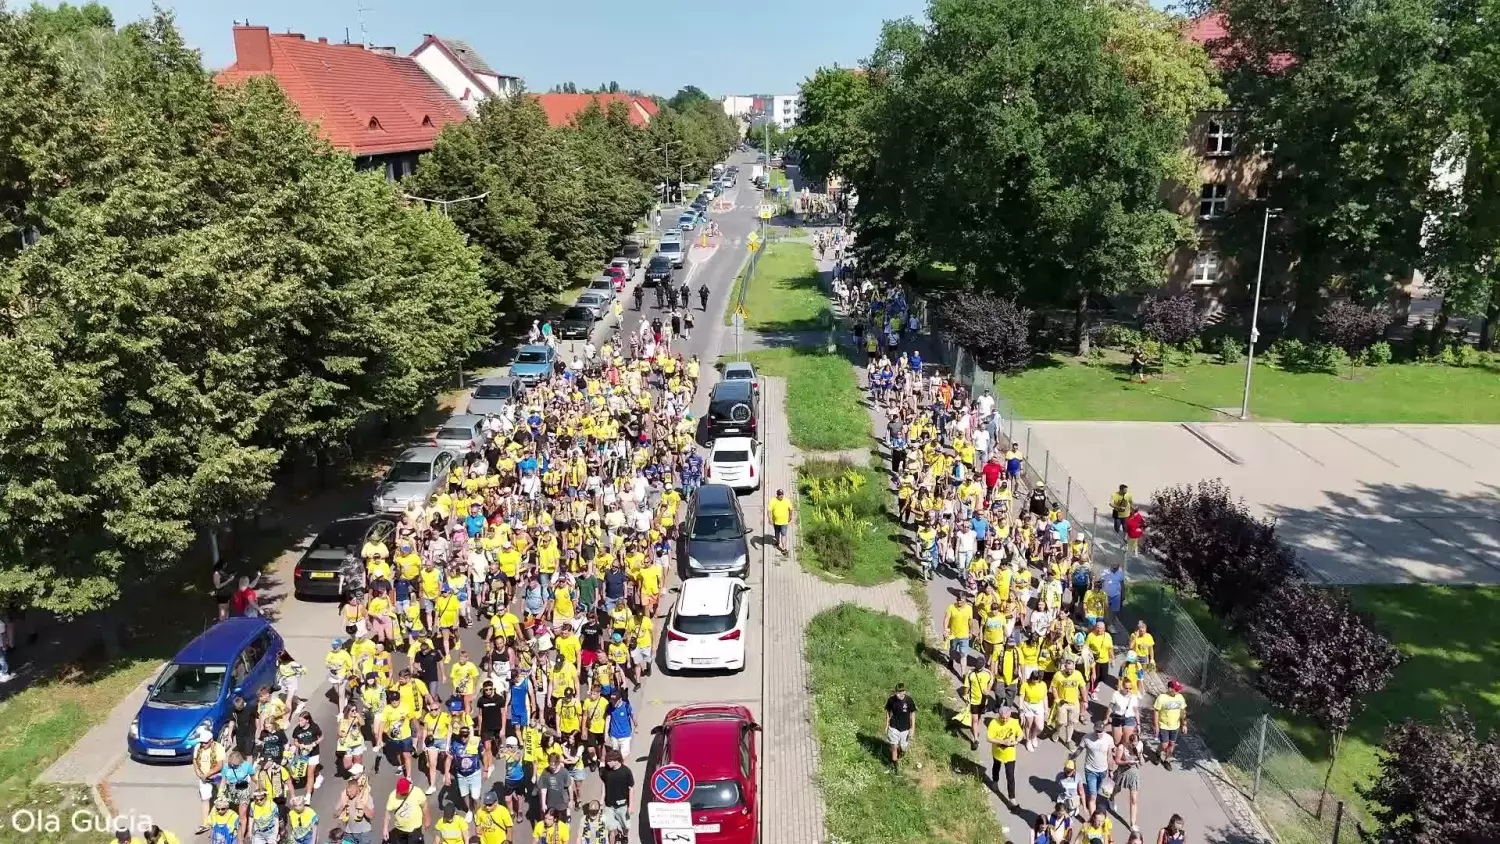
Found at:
(491, 394)
(604, 286)
(461, 433)
(415, 476)
(595, 302)
(673, 250)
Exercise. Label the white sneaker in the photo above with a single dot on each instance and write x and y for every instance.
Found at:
(6, 678)
(432, 789)
(318, 782)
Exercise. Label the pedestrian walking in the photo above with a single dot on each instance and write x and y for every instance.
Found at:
(900, 722)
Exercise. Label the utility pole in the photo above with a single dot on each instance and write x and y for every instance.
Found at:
(1255, 311)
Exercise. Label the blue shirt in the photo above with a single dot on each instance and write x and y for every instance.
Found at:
(981, 527)
(519, 695)
(474, 524)
(619, 720)
(1061, 528)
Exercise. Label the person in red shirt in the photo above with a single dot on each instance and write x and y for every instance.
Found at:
(1135, 528)
(993, 469)
(244, 601)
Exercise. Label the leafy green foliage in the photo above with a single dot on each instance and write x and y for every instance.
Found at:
(1436, 782)
(208, 285)
(829, 135)
(1172, 320)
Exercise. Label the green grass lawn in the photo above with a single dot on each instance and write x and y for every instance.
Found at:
(778, 179)
(1448, 663)
(856, 657)
(1411, 392)
(784, 292)
(875, 549)
(825, 409)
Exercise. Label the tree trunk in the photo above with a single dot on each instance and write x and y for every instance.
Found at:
(1491, 313)
(1333, 757)
(1439, 328)
(1080, 325)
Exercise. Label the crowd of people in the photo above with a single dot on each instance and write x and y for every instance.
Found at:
(1028, 636)
(552, 542)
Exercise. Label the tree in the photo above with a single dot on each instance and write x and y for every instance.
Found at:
(1026, 143)
(686, 97)
(993, 329)
(1319, 658)
(1351, 327)
(1171, 320)
(1436, 783)
(829, 135)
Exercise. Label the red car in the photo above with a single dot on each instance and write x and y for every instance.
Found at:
(617, 275)
(716, 743)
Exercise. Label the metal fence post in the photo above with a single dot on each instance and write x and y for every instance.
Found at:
(1338, 822)
(1068, 502)
(1203, 681)
(1260, 759)
(1028, 442)
(1046, 465)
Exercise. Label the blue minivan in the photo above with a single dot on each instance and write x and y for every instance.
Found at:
(197, 688)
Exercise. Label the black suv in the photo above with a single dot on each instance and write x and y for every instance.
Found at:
(731, 410)
(659, 270)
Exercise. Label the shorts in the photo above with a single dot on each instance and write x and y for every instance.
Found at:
(355, 751)
(1122, 720)
(641, 656)
(780, 532)
(976, 709)
(1129, 778)
(620, 745)
(578, 774)
(289, 687)
(1035, 710)
(470, 785)
(313, 761)
(206, 789)
(617, 818)
(1165, 736)
(588, 658)
(899, 739)
(958, 648)
(398, 745)
(1093, 781)
(427, 605)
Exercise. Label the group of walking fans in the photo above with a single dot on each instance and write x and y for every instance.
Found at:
(1028, 636)
(552, 542)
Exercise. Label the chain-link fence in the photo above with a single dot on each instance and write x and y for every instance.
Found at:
(1240, 728)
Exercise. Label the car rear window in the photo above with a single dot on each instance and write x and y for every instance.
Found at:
(531, 357)
(724, 794)
(704, 625)
(455, 433)
(731, 456)
(578, 313)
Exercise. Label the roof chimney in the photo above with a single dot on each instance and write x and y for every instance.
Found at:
(252, 48)
(322, 40)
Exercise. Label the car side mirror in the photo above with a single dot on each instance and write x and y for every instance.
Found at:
(656, 730)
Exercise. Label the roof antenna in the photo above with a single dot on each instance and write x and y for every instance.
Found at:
(364, 34)
(346, 35)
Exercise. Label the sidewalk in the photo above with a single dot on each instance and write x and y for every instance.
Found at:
(1195, 789)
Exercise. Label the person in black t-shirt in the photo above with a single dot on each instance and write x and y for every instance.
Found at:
(900, 721)
(591, 641)
(492, 708)
(306, 736)
(618, 783)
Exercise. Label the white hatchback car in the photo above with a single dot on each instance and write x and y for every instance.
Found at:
(734, 462)
(707, 629)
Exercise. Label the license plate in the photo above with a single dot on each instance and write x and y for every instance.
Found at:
(320, 575)
(705, 827)
(159, 751)
(696, 661)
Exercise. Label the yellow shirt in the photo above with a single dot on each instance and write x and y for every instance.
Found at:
(1170, 708)
(976, 685)
(397, 722)
(569, 713)
(1142, 643)
(1068, 686)
(959, 618)
(406, 812)
(781, 511)
(462, 676)
(1033, 691)
(1103, 646)
(557, 834)
(1004, 730)
(493, 824)
(455, 831)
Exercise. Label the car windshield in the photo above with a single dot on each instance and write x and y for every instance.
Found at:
(724, 794)
(731, 456)
(705, 625)
(410, 471)
(717, 527)
(737, 375)
(577, 313)
(671, 246)
(685, 218)
(601, 284)
(492, 391)
(659, 263)
(189, 685)
(455, 434)
(531, 357)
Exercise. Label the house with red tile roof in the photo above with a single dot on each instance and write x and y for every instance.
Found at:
(562, 108)
(458, 67)
(384, 108)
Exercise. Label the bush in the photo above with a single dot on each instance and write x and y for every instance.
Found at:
(995, 330)
(1467, 355)
(1351, 327)
(1210, 545)
(1448, 357)
(1436, 782)
(1328, 357)
(1379, 354)
(1289, 352)
(833, 533)
(1230, 350)
(1171, 320)
(1095, 357)
(841, 509)
(1118, 336)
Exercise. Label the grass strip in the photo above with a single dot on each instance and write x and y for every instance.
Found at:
(825, 410)
(848, 533)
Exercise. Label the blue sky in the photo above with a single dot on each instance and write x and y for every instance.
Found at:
(657, 46)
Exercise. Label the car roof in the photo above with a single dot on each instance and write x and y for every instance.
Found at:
(348, 531)
(706, 740)
(738, 366)
(537, 347)
(732, 443)
(463, 420)
(495, 380)
(602, 281)
(728, 390)
(591, 295)
(707, 595)
(221, 643)
(716, 496)
(421, 454)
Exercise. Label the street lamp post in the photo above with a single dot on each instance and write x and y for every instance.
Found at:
(1260, 271)
(666, 152)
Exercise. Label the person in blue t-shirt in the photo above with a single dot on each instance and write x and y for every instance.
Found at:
(520, 700)
(621, 723)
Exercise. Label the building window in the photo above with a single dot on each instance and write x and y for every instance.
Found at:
(1213, 200)
(1220, 138)
(1262, 192)
(1206, 268)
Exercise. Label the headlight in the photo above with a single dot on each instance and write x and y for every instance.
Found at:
(135, 728)
(205, 724)
(693, 563)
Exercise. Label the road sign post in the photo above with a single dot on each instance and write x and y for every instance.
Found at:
(738, 322)
(672, 784)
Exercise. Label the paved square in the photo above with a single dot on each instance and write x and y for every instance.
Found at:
(1361, 503)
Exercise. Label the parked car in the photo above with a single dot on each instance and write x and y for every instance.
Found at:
(687, 221)
(606, 286)
(577, 323)
(713, 535)
(594, 303)
(631, 250)
(741, 370)
(734, 462)
(461, 433)
(731, 410)
(718, 744)
(333, 564)
(235, 656)
(533, 363)
(672, 249)
(417, 474)
(708, 625)
(658, 271)
(617, 277)
(491, 394)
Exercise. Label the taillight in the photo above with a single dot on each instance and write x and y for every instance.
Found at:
(730, 636)
(297, 572)
(675, 636)
(752, 470)
(708, 470)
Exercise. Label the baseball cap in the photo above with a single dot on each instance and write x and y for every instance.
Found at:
(403, 786)
(1175, 686)
(491, 798)
(510, 741)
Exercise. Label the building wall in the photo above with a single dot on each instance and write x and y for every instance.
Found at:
(784, 110)
(450, 77)
(1227, 169)
(737, 106)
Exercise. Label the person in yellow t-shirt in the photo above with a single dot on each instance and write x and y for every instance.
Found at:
(780, 509)
(1170, 713)
(550, 830)
(1004, 734)
(451, 828)
(1102, 645)
(979, 684)
(1144, 645)
(958, 625)
(493, 821)
(406, 814)
(1067, 688)
(464, 676)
